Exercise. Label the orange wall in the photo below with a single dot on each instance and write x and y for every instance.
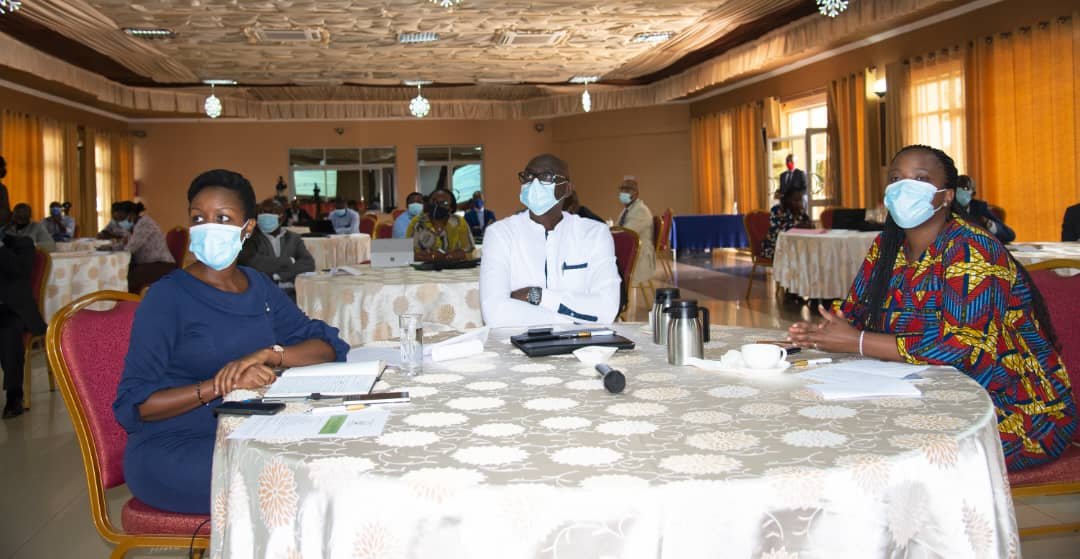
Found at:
(29, 104)
(651, 143)
(172, 154)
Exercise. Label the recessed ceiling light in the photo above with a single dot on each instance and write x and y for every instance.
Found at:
(414, 83)
(150, 32)
(584, 79)
(652, 37)
(413, 37)
(219, 82)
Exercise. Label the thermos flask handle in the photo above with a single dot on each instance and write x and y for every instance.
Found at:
(705, 323)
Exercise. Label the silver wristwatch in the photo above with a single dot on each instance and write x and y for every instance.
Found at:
(534, 295)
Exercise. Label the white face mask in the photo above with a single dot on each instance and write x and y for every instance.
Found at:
(911, 202)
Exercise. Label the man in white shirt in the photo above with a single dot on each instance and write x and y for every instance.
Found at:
(344, 220)
(637, 217)
(545, 266)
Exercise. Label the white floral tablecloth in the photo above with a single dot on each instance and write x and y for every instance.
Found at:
(501, 456)
(81, 245)
(75, 274)
(820, 265)
(339, 250)
(1032, 253)
(366, 307)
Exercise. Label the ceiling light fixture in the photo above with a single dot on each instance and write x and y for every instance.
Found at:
(9, 6)
(413, 37)
(419, 106)
(831, 8)
(219, 82)
(652, 37)
(149, 32)
(586, 99)
(445, 3)
(212, 105)
(584, 79)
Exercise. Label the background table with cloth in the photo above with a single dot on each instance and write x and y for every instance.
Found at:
(75, 274)
(339, 250)
(366, 307)
(699, 232)
(502, 456)
(819, 264)
(1031, 253)
(81, 245)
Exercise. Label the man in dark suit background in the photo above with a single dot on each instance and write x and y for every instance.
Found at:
(792, 179)
(980, 210)
(276, 251)
(1070, 226)
(18, 312)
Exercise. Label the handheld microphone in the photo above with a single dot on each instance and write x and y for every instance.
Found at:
(614, 381)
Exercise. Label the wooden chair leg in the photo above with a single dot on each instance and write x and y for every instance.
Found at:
(750, 282)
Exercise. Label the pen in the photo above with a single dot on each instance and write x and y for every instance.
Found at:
(570, 336)
(808, 362)
(330, 410)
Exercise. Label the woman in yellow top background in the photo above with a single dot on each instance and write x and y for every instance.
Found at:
(437, 233)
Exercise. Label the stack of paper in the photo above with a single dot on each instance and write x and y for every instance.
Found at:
(865, 378)
(466, 345)
(366, 423)
(328, 379)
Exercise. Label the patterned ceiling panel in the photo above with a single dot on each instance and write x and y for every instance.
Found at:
(357, 40)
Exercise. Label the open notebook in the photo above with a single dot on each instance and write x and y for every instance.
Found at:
(327, 379)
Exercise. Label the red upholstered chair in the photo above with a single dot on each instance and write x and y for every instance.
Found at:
(368, 223)
(39, 276)
(826, 217)
(384, 230)
(86, 350)
(397, 213)
(627, 245)
(757, 228)
(1062, 476)
(663, 243)
(177, 240)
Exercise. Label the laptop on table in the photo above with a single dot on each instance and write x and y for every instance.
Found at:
(391, 253)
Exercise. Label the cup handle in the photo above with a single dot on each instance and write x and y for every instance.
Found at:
(783, 355)
(705, 323)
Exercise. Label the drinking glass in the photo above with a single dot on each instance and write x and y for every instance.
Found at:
(412, 343)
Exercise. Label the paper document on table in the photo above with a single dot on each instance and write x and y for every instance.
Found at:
(480, 334)
(365, 423)
(853, 385)
(328, 379)
(389, 355)
(873, 367)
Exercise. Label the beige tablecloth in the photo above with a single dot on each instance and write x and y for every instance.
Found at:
(75, 274)
(81, 245)
(366, 307)
(339, 250)
(820, 265)
(501, 456)
(1031, 253)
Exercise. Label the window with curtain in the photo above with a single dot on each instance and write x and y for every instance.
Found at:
(805, 112)
(53, 169)
(103, 175)
(935, 114)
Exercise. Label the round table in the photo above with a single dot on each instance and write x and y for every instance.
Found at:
(339, 250)
(365, 307)
(503, 456)
(820, 264)
(75, 274)
(1032, 253)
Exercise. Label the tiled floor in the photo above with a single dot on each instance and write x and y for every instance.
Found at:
(45, 513)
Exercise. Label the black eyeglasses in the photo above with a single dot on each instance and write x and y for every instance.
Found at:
(528, 176)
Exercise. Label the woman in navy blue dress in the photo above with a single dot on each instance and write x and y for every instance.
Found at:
(198, 334)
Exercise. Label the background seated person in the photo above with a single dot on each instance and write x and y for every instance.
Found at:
(546, 266)
(200, 333)
(438, 234)
(22, 226)
(414, 206)
(119, 227)
(788, 214)
(979, 210)
(479, 217)
(1070, 224)
(295, 215)
(637, 217)
(572, 205)
(276, 251)
(936, 289)
(58, 224)
(150, 256)
(344, 220)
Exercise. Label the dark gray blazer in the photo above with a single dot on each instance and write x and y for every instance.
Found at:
(259, 254)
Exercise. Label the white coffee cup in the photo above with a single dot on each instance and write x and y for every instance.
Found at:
(763, 356)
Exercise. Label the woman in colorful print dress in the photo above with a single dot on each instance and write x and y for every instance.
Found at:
(937, 289)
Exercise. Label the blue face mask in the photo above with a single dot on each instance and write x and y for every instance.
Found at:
(55, 212)
(479, 205)
(215, 244)
(911, 202)
(538, 196)
(126, 225)
(268, 223)
(415, 209)
(342, 213)
(964, 196)
(625, 199)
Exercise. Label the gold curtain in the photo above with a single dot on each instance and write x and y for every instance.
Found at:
(847, 106)
(935, 113)
(1023, 123)
(83, 204)
(123, 167)
(898, 89)
(707, 163)
(54, 178)
(22, 147)
(748, 148)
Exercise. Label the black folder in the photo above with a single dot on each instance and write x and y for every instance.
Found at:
(538, 343)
